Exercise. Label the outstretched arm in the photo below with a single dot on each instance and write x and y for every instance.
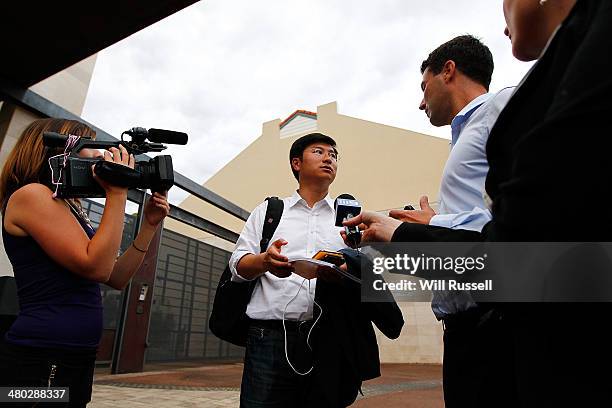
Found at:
(156, 209)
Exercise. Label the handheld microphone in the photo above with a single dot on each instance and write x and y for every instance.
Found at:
(346, 206)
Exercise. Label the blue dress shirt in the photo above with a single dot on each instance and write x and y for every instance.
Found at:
(461, 198)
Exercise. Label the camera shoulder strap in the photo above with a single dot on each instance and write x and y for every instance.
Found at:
(80, 215)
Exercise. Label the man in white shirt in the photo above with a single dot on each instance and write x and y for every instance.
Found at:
(282, 305)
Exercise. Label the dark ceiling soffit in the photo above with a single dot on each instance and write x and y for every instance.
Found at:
(33, 102)
(40, 39)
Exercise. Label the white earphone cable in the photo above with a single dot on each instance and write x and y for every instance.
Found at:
(309, 331)
(71, 141)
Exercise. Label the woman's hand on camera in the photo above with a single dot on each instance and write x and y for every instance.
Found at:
(156, 208)
(119, 156)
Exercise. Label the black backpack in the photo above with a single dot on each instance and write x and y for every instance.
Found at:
(228, 319)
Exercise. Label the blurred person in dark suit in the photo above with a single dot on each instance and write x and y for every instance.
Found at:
(550, 145)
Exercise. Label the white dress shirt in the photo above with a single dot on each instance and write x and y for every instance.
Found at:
(307, 230)
(462, 203)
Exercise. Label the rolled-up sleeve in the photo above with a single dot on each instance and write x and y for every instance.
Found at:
(473, 220)
(248, 242)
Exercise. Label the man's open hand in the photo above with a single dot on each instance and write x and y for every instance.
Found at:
(276, 263)
(422, 216)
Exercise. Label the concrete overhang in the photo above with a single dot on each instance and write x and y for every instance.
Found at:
(41, 38)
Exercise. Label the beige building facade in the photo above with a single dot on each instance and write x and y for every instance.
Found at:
(384, 167)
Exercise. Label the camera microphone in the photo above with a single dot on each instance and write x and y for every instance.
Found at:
(346, 206)
(167, 136)
(140, 134)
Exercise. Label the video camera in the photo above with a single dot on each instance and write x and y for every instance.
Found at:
(74, 178)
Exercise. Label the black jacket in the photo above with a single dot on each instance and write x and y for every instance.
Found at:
(345, 346)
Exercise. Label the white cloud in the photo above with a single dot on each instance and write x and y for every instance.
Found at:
(219, 69)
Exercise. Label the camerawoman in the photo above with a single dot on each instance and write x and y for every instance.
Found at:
(59, 260)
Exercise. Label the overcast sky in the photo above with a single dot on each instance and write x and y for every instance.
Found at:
(220, 68)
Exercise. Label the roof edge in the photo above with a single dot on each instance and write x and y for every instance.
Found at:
(298, 112)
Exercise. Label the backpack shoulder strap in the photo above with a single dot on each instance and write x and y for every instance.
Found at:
(273, 216)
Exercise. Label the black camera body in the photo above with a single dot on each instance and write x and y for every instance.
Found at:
(77, 179)
(74, 178)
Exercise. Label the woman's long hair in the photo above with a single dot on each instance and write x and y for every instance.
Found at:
(28, 161)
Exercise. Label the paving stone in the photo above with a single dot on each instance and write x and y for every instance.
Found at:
(191, 387)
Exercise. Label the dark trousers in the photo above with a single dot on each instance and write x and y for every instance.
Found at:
(268, 380)
(40, 367)
(478, 366)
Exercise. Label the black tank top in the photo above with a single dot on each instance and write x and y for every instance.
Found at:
(58, 309)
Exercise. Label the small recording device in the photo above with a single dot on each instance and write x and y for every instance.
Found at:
(73, 176)
(346, 207)
(334, 258)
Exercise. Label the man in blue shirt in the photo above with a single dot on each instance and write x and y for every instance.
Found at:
(456, 78)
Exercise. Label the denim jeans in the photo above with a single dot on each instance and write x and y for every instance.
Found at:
(268, 380)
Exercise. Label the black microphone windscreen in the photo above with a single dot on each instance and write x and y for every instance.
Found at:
(346, 197)
(167, 136)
